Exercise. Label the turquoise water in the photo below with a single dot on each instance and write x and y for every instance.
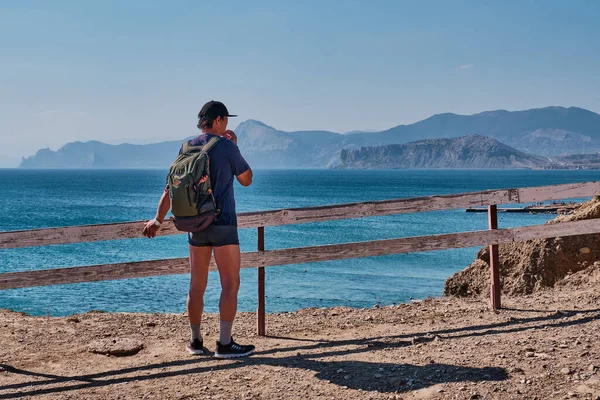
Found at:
(36, 199)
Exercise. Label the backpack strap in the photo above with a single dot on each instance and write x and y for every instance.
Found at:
(187, 147)
(211, 144)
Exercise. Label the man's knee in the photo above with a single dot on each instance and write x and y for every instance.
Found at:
(231, 285)
(196, 290)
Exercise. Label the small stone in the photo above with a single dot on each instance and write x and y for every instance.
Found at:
(347, 377)
(376, 306)
(441, 391)
(151, 324)
(395, 381)
(339, 371)
(565, 371)
(462, 388)
(584, 354)
(529, 354)
(378, 376)
(571, 394)
(592, 368)
(118, 347)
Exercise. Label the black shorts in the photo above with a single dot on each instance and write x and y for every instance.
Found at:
(215, 236)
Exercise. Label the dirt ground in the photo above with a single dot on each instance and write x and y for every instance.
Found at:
(541, 346)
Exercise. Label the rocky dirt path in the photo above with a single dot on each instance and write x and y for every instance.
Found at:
(543, 346)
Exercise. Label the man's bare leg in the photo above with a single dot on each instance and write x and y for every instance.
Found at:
(228, 261)
(199, 264)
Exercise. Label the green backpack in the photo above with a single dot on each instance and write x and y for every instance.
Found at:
(192, 201)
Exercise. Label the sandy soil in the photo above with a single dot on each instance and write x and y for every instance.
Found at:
(542, 346)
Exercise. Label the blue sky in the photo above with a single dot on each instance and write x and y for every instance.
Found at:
(138, 71)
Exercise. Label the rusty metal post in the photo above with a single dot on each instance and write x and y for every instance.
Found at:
(494, 261)
(260, 313)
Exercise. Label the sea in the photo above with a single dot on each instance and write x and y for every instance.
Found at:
(31, 199)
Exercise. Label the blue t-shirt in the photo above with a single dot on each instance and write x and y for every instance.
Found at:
(226, 162)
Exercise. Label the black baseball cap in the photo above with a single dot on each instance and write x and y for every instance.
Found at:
(213, 110)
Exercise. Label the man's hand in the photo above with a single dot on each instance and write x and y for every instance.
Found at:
(150, 229)
(231, 136)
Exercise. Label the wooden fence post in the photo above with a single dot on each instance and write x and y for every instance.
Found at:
(260, 313)
(494, 261)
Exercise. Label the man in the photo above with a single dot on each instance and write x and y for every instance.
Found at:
(221, 237)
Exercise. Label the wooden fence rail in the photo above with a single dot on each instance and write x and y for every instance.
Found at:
(262, 258)
(129, 230)
(298, 255)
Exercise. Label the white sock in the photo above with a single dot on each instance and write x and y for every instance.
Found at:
(225, 332)
(195, 332)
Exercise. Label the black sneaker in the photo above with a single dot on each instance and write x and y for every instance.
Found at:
(195, 347)
(233, 350)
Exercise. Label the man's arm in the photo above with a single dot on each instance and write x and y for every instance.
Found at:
(238, 163)
(151, 228)
(245, 178)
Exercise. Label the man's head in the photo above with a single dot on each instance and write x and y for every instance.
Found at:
(213, 117)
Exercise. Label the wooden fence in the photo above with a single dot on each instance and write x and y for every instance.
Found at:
(262, 258)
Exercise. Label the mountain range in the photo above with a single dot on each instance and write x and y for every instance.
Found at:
(548, 132)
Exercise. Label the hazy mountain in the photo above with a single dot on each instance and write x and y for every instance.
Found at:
(472, 151)
(101, 155)
(550, 131)
(265, 147)
(564, 130)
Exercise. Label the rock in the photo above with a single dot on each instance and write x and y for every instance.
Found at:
(118, 347)
(347, 376)
(396, 381)
(378, 376)
(151, 324)
(565, 371)
(339, 371)
(592, 368)
(529, 266)
(530, 354)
